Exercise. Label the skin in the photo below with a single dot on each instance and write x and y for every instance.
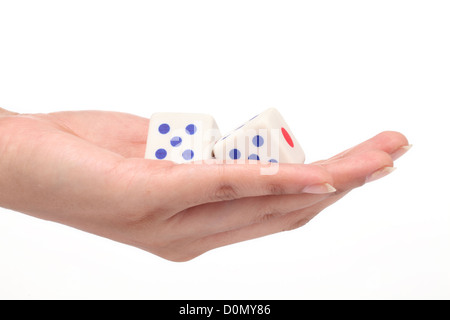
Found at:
(86, 169)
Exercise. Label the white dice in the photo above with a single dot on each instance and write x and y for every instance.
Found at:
(181, 137)
(265, 137)
(187, 137)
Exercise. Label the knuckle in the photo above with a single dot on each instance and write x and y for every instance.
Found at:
(268, 213)
(268, 217)
(276, 189)
(296, 224)
(225, 192)
(223, 188)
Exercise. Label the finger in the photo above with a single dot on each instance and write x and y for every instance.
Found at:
(355, 170)
(348, 173)
(223, 216)
(276, 224)
(391, 142)
(196, 184)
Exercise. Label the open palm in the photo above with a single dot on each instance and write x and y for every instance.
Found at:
(86, 169)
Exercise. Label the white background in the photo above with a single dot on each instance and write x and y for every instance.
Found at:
(339, 72)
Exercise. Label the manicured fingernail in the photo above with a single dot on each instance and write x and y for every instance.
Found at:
(400, 151)
(319, 188)
(379, 174)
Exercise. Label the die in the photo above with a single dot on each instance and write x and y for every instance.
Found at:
(265, 137)
(181, 137)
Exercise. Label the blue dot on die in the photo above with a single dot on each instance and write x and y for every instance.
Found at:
(188, 154)
(176, 141)
(191, 129)
(258, 141)
(235, 154)
(160, 154)
(253, 157)
(273, 161)
(164, 128)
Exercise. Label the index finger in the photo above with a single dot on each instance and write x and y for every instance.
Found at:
(177, 187)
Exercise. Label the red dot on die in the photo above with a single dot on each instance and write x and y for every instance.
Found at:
(287, 137)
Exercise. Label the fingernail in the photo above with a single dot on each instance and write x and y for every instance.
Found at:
(319, 188)
(379, 174)
(400, 151)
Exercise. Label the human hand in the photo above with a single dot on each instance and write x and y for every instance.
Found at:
(86, 170)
